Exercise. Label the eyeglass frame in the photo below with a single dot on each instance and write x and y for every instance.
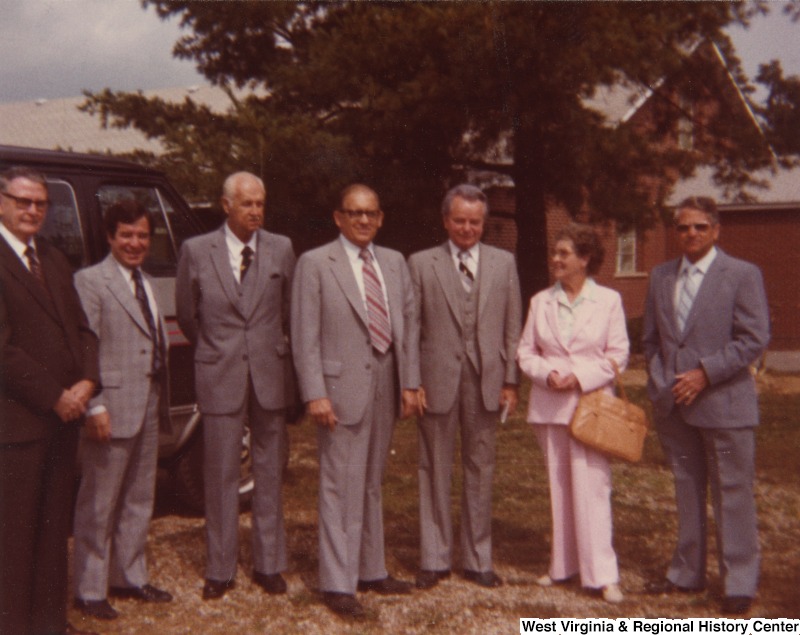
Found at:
(698, 227)
(355, 214)
(24, 203)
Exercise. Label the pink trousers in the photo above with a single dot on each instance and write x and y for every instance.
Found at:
(580, 502)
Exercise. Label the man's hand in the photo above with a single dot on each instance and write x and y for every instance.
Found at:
(688, 385)
(411, 403)
(83, 390)
(69, 407)
(509, 395)
(557, 382)
(98, 427)
(321, 412)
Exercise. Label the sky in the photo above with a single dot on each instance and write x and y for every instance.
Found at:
(58, 48)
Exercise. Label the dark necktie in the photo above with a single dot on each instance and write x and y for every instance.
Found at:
(35, 267)
(247, 260)
(467, 277)
(380, 332)
(141, 296)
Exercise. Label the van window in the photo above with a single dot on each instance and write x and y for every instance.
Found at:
(161, 259)
(62, 226)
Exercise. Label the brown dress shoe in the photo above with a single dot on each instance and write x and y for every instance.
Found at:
(272, 583)
(100, 609)
(215, 589)
(429, 578)
(489, 579)
(146, 593)
(386, 586)
(343, 604)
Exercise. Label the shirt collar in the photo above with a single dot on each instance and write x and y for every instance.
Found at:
(353, 251)
(702, 265)
(235, 245)
(472, 251)
(587, 293)
(15, 243)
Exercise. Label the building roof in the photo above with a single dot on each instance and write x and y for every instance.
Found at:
(58, 124)
(782, 189)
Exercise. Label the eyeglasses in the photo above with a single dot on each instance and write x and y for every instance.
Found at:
(354, 214)
(698, 227)
(25, 203)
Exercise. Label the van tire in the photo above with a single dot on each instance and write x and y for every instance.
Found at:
(187, 473)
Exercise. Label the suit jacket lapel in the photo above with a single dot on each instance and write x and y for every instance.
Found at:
(551, 315)
(12, 262)
(221, 261)
(667, 299)
(711, 280)
(448, 278)
(121, 290)
(343, 272)
(260, 272)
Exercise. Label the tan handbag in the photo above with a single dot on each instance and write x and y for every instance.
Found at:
(612, 425)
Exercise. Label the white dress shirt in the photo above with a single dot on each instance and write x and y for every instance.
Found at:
(353, 255)
(235, 247)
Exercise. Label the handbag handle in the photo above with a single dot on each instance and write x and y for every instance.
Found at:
(618, 381)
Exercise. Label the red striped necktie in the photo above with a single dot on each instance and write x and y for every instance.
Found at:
(380, 332)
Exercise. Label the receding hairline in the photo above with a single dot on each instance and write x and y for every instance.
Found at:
(233, 180)
(357, 187)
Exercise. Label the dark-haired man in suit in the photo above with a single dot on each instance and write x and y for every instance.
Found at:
(48, 372)
(706, 320)
(120, 444)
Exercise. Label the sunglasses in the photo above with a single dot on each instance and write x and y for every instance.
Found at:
(698, 227)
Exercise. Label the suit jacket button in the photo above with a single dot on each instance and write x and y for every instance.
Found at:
(244, 357)
(368, 366)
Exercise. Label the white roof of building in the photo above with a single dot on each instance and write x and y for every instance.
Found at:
(782, 189)
(58, 124)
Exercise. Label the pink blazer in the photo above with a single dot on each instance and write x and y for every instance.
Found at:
(599, 335)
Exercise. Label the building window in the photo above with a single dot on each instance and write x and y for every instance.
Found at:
(686, 124)
(626, 252)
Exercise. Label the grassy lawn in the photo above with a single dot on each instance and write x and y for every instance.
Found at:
(644, 517)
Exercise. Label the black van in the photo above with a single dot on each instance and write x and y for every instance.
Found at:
(81, 187)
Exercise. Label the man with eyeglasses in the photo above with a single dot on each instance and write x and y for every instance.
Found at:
(48, 372)
(352, 304)
(706, 320)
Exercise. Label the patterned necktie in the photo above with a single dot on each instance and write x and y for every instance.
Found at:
(141, 295)
(247, 260)
(686, 298)
(467, 277)
(380, 332)
(35, 267)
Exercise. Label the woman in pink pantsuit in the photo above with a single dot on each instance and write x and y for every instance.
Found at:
(573, 331)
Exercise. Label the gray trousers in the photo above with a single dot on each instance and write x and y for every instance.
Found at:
(114, 507)
(437, 440)
(352, 460)
(222, 437)
(724, 459)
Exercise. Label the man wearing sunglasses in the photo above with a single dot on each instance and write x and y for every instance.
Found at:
(706, 320)
(48, 372)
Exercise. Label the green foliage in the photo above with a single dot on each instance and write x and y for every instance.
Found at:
(398, 93)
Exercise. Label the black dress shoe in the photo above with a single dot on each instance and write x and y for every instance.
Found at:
(343, 604)
(100, 609)
(71, 630)
(736, 604)
(386, 586)
(146, 593)
(215, 589)
(429, 578)
(667, 587)
(488, 579)
(271, 582)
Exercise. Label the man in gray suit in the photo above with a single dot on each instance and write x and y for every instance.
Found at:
(120, 442)
(706, 320)
(469, 321)
(351, 307)
(232, 294)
